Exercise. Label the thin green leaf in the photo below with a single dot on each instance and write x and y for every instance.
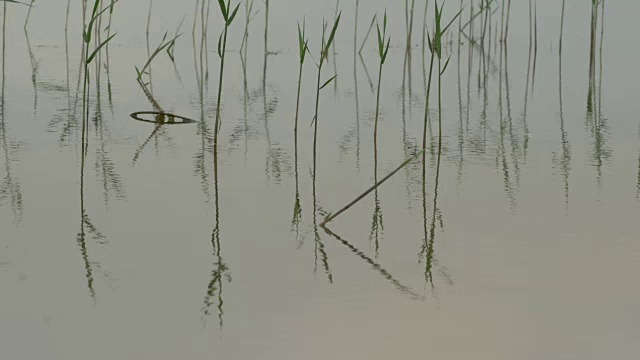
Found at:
(233, 15)
(95, 52)
(445, 66)
(380, 41)
(220, 45)
(333, 34)
(385, 21)
(322, 52)
(384, 57)
(304, 52)
(94, 17)
(452, 20)
(328, 82)
(96, 4)
(223, 9)
(300, 42)
(170, 51)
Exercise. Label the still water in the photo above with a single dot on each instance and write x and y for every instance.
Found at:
(521, 244)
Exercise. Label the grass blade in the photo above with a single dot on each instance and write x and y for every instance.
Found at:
(97, 49)
(328, 82)
(223, 9)
(233, 15)
(333, 34)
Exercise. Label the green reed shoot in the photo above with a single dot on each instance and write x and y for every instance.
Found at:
(86, 37)
(383, 51)
(303, 47)
(228, 16)
(435, 47)
(324, 53)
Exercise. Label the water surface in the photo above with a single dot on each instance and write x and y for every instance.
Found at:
(522, 243)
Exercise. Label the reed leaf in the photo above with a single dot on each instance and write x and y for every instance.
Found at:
(97, 49)
(233, 15)
(328, 82)
(223, 9)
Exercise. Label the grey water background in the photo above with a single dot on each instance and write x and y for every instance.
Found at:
(528, 247)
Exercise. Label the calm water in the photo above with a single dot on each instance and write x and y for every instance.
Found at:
(523, 244)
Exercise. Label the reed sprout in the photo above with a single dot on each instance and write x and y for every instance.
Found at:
(303, 48)
(435, 47)
(228, 16)
(383, 51)
(87, 35)
(324, 53)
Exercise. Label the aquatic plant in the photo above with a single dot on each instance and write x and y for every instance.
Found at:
(383, 51)
(435, 47)
(324, 52)
(228, 16)
(87, 35)
(303, 47)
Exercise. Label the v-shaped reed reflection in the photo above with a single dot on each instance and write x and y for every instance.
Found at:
(377, 267)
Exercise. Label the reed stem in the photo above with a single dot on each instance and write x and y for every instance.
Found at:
(331, 217)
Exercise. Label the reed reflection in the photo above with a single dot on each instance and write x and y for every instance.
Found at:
(220, 273)
(320, 251)
(87, 229)
(34, 72)
(406, 290)
(377, 223)
(200, 48)
(67, 119)
(564, 158)
(597, 123)
(461, 128)
(10, 186)
(105, 167)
